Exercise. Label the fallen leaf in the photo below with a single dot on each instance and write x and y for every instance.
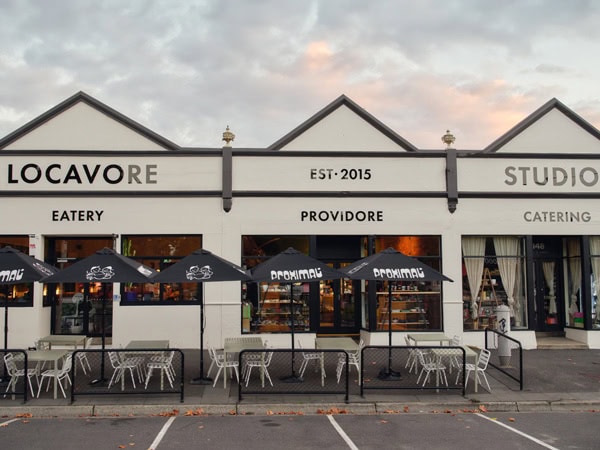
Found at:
(482, 408)
(511, 419)
(406, 409)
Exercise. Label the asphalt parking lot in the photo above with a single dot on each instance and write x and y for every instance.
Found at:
(552, 430)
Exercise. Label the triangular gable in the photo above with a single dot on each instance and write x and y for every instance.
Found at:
(342, 126)
(552, 129)
(83, 123)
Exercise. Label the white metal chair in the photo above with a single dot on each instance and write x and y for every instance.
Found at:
(121, 365)
(479, 368)
(62, 374)
(15, 373)
(214, 354)
(262, 364)
(82, 359)
(353, 360)
(222, 365)
(165, 365)
(412, 360)
(307, 358)
(429, 366)
(454, 358)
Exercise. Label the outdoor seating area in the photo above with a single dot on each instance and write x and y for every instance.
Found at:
(249, 365)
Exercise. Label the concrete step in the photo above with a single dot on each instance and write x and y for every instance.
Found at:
(556, 343)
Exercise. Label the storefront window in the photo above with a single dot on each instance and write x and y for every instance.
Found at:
(267, 307)
(415, 305)
(493, 274)
(159, 252)
(77, 308)
(20, 294)
(595, 257)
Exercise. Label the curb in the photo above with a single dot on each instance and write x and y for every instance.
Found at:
(360, 408)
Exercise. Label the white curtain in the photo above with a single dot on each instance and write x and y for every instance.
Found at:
(574, 255)
(475, 248)
(595, 251)
(548, 269)
(507, 248)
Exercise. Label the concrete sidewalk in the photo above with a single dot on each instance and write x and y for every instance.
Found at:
(554, 380)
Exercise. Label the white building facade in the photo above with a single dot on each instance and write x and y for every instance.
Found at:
(514, 223)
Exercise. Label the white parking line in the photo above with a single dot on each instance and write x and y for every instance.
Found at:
(3, 424)
(514, 430)
(341, 432)
(161, 433)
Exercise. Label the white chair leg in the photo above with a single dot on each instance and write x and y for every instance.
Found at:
(210, 368)
(217, 376)
(486, 381)
(148, 375)
(467, 377)
(303, 367)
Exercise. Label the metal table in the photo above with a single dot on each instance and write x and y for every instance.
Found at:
(232, 346)
(64, 339)
(142, 344)
(334, 343)
(52, 356)
(429, 338)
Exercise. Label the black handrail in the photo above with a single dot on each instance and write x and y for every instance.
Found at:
(500, 335)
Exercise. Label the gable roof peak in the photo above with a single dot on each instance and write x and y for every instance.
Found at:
(83, 97)
(551, 104)
(342, 100)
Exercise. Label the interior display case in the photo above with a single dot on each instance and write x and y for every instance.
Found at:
(275, 309)
(409, 309)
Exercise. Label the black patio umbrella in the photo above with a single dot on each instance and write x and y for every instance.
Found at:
(201, 266)
(17, 267)
(104, 266)
(391, 265)
(289, 267)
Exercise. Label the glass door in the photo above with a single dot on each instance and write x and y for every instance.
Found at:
(338, 311)
(549, 302)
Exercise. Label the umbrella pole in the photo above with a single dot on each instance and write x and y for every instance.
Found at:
(389, 374)
(102, 379)
(5, 378)
(201, 379)
(293, 378)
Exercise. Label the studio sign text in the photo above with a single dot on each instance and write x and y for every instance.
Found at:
(82, 173)
(553, 176)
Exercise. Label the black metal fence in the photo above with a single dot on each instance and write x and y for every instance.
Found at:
(424, 368)
(281, 371)
(501, 349)
(127, 372)
(439, 368)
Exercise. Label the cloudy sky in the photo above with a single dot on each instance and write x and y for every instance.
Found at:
(187, 68)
